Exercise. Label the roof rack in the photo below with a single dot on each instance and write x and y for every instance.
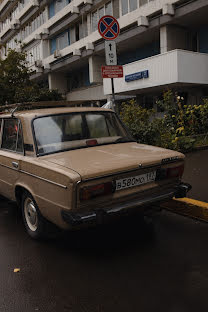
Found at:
(37, 105)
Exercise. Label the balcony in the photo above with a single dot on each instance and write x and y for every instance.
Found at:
(12, 25)
(173, 68)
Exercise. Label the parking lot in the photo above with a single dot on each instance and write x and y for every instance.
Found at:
(128, 267)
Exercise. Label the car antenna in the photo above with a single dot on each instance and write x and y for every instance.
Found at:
(13, 111)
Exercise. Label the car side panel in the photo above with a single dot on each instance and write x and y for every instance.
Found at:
(51, 187)
(8, 173)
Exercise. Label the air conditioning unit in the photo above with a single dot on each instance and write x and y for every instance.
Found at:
(57, 53)
(38, 64)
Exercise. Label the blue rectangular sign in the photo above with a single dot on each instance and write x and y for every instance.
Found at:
(137, 76)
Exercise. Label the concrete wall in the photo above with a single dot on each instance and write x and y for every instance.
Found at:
(88, 94)
(169, 68)
(95, 63)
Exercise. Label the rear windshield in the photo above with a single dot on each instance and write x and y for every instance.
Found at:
(58, 133)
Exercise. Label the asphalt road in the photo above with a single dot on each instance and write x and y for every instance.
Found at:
(123, 268)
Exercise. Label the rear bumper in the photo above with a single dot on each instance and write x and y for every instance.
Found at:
(78, 218)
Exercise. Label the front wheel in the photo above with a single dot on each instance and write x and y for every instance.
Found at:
(35, 224)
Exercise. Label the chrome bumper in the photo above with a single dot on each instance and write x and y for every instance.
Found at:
(73, 218)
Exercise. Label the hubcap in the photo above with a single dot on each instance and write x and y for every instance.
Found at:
(31, 215)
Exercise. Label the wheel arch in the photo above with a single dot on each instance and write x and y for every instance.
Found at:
(19, 189)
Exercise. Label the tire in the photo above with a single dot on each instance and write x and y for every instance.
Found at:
(35, 224)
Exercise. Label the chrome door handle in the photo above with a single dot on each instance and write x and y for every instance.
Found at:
(15, 164)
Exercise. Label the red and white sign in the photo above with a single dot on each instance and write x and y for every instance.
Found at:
(112, 71)
(108, 27)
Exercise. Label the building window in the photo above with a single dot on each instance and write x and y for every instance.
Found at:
(13, 14)
(128, 6)
(80, 29)
(34, 54)
(56, 6)
(30, 27)
(60, 42)
(79, 79)
(143, 2)
(107, 9)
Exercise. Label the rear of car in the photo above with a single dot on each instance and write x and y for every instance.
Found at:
(127, 192)
(117, 175)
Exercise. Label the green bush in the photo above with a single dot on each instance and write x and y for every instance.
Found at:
(177, 130)
(137, 120)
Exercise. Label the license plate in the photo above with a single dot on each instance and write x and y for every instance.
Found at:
(135, 181)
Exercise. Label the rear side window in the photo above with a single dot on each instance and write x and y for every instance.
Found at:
(12, 135)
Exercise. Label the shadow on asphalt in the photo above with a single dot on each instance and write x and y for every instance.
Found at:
(112, 237)
(117, 235)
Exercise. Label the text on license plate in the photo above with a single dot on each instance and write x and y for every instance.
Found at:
(134, 181)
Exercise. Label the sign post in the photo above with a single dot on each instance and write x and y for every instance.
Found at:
(109, 29)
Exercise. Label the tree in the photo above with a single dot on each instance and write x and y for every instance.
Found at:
(15, 83)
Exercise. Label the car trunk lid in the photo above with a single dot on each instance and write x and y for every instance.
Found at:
(99, 161)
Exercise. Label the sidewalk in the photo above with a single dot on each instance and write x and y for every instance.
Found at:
(196, 173)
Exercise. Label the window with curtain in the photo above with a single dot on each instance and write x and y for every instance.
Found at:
(107, 9)
(128, 6)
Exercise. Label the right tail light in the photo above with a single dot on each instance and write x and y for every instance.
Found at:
(175, 172)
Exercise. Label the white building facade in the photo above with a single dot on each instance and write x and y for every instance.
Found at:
(162, 44)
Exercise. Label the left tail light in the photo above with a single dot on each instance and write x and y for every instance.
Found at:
(93, 191)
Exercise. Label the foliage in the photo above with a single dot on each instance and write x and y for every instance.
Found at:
(15, 83)
(137, 120)
(179, 128)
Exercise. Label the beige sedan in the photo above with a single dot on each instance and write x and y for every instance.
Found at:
(74, 166)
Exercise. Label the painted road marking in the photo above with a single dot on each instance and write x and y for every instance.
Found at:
(188, 207)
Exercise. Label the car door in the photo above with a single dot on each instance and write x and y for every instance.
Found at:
(11, 153)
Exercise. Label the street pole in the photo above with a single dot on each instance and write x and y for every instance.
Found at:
(113, 95)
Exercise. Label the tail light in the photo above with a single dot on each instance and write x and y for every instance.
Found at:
(170, 172)
(96, 190)
(175, 172)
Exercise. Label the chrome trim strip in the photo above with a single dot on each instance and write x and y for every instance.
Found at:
(43, 179)
(8, 167)
(35, 176)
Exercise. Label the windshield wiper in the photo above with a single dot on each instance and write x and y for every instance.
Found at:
(124, 140)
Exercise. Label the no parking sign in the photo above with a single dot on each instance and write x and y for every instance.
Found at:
(108, 27)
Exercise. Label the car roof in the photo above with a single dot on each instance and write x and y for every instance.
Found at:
(30, 114)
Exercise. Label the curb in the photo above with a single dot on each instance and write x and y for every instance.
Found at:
(188, 207)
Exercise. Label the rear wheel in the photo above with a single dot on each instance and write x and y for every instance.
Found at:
(36, 225)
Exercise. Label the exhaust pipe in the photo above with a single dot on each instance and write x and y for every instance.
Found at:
(182, 190)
